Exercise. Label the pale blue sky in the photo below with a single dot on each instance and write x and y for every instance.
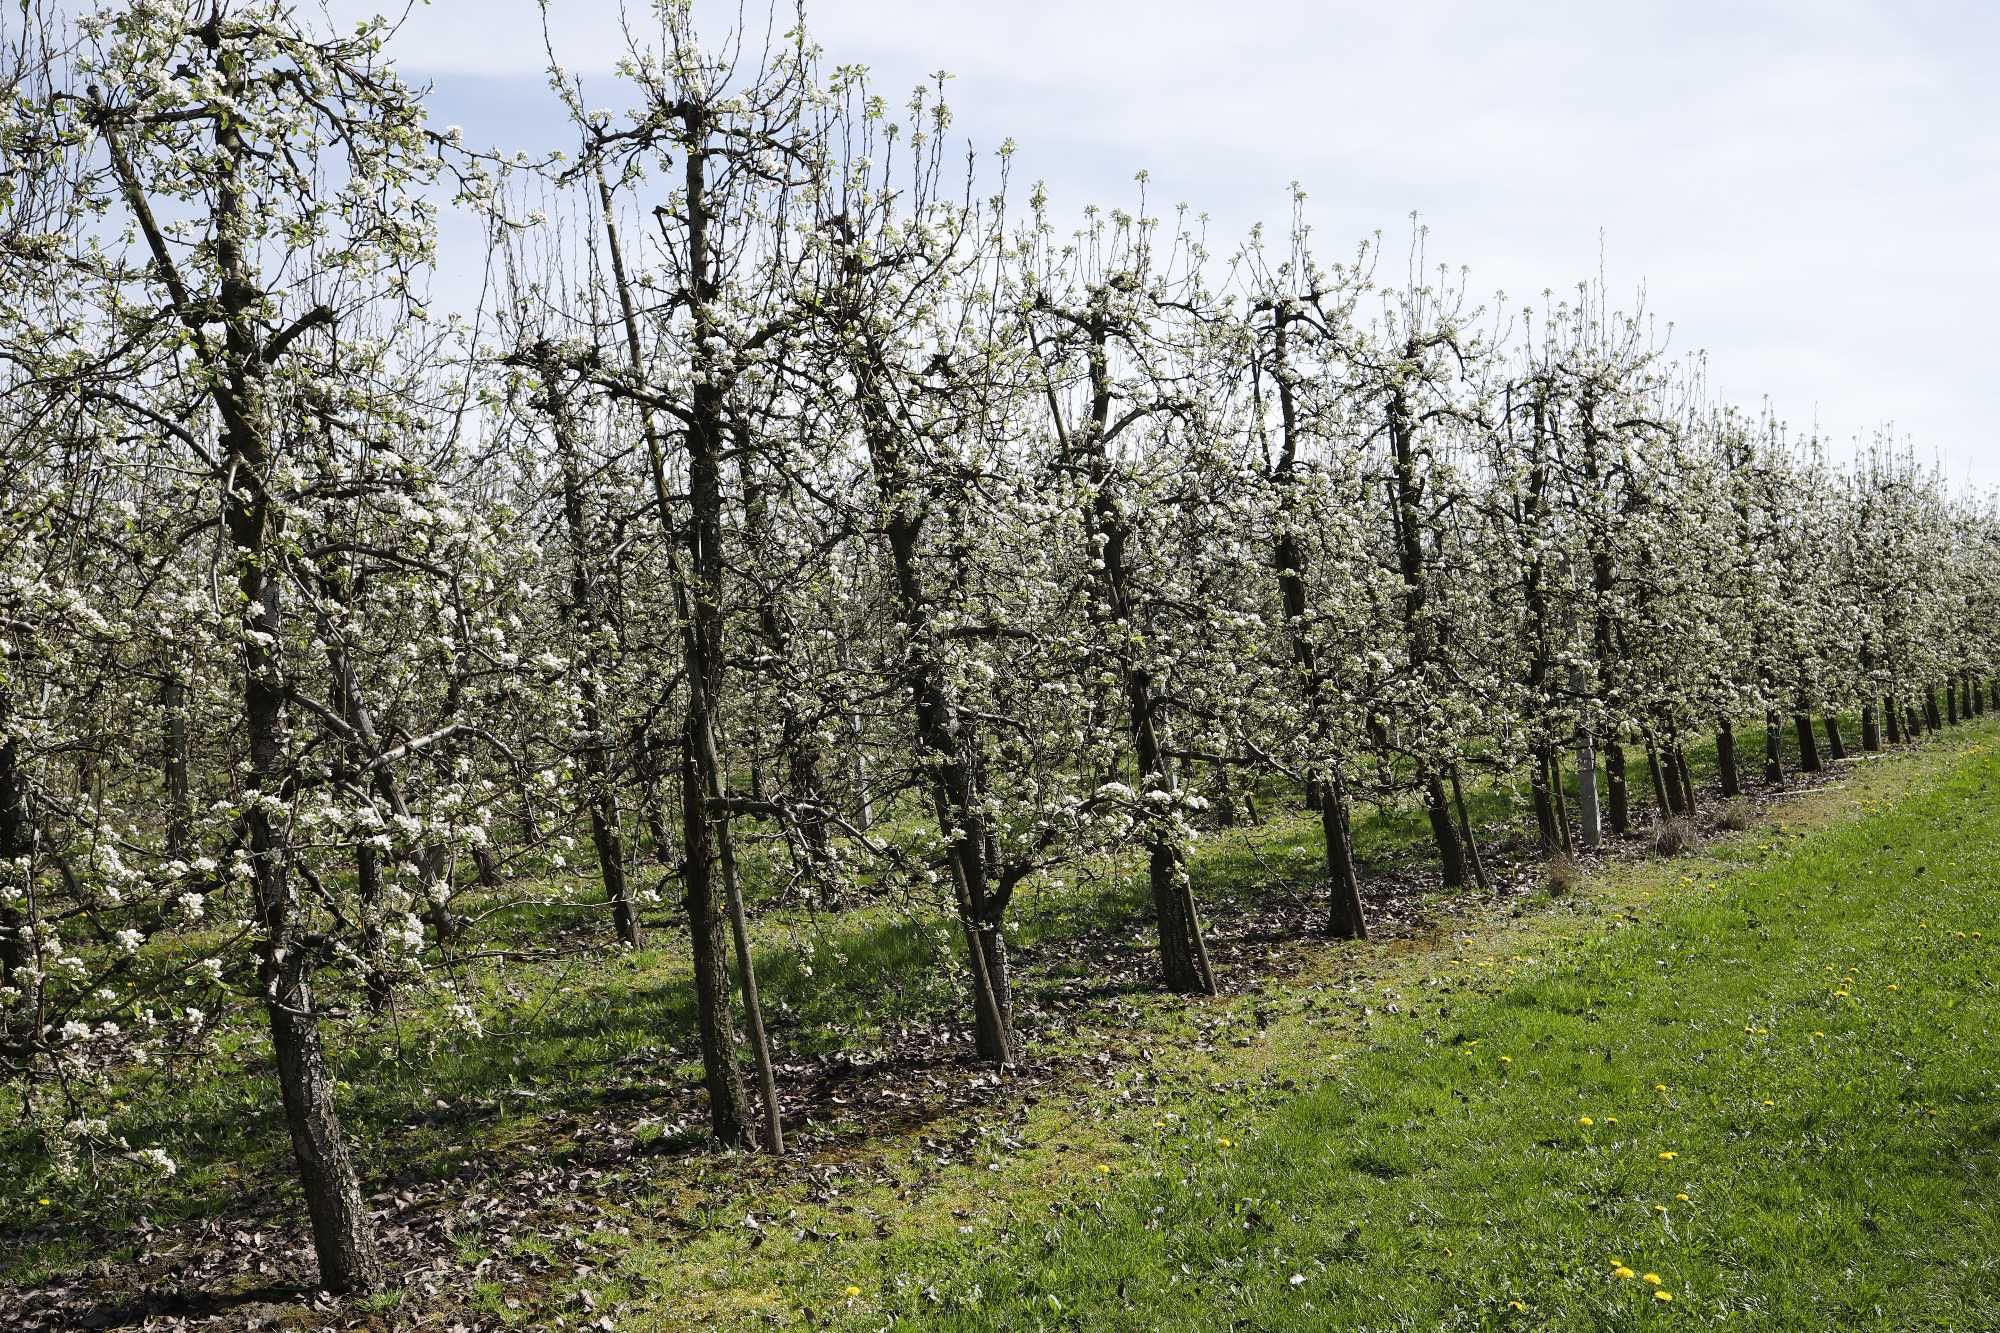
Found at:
(1808, 190)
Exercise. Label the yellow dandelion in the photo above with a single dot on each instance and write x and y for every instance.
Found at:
(1663, 1295)
(1659, 1208)
(1103, 1168)
(1651, 1279)
(853, 1290)
(1516, 1305)
(1222, 1142)
(43, 1202)
(1769, 1102)
(1585, 1120)
(1621, 1272)
(1668, 1156)
(1659, 1087)
(1681, 1198)
(1840, 995)
(1611, 1120)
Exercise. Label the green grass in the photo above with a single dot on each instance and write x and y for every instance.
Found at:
(1354, 1161)
(1403, 1127)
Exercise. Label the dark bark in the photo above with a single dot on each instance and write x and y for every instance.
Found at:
(173, 703)
(1835, 747)
(343, 1237)
(1546, 827)
(1892, 714)
(1666, 799)
(1423, 636)
(1725, 757)
(1686, 777)
(1465, 833)
(1809, 760)
(1444, 832)
(952, 777)
(1184, 961)
(1871, 731)
(1555, 784)
(1616, 788)
(698, 590)
(17, 842)
(594, 741)
(798, 738)
(1345, 919)
(1774, 752)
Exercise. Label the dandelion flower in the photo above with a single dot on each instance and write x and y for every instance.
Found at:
(1659, 1208)
(1506, 1059)
(853, 1290)
(1516, 1305)
(1611, 1120)
(1659, 1087)
(1668, 1156)
(1103, 1168)
(1222, 1142)
(1621, 1272)
(1769, 1102)
(1585, 1120)
(1663, 1295)
(1651, 1279)
(1681, 1197)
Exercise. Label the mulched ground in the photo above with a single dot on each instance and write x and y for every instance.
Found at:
(252, 1266)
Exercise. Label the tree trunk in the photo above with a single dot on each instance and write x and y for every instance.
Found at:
(1809, 760)
(1344, 920)
(1725, 758)
(173, 702)
(1686, 777)
(1545, 802)
(1184, 959)
(1871, 731)
(1568, 846)
(17, 844)
(1666, 800)
(343, 1238)
(1835, 748)
(698, 596)
(1615, 783)
(1774, 752)
(1465, 832)
(1892, 715)
(600, 792)
(1451, 852)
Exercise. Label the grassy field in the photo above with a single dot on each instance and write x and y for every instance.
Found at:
(1389, 1135)
(1759, 1088)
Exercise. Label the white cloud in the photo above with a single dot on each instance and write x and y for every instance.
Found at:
(1807, 189)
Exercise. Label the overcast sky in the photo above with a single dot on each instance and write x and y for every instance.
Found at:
(1809, 191)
